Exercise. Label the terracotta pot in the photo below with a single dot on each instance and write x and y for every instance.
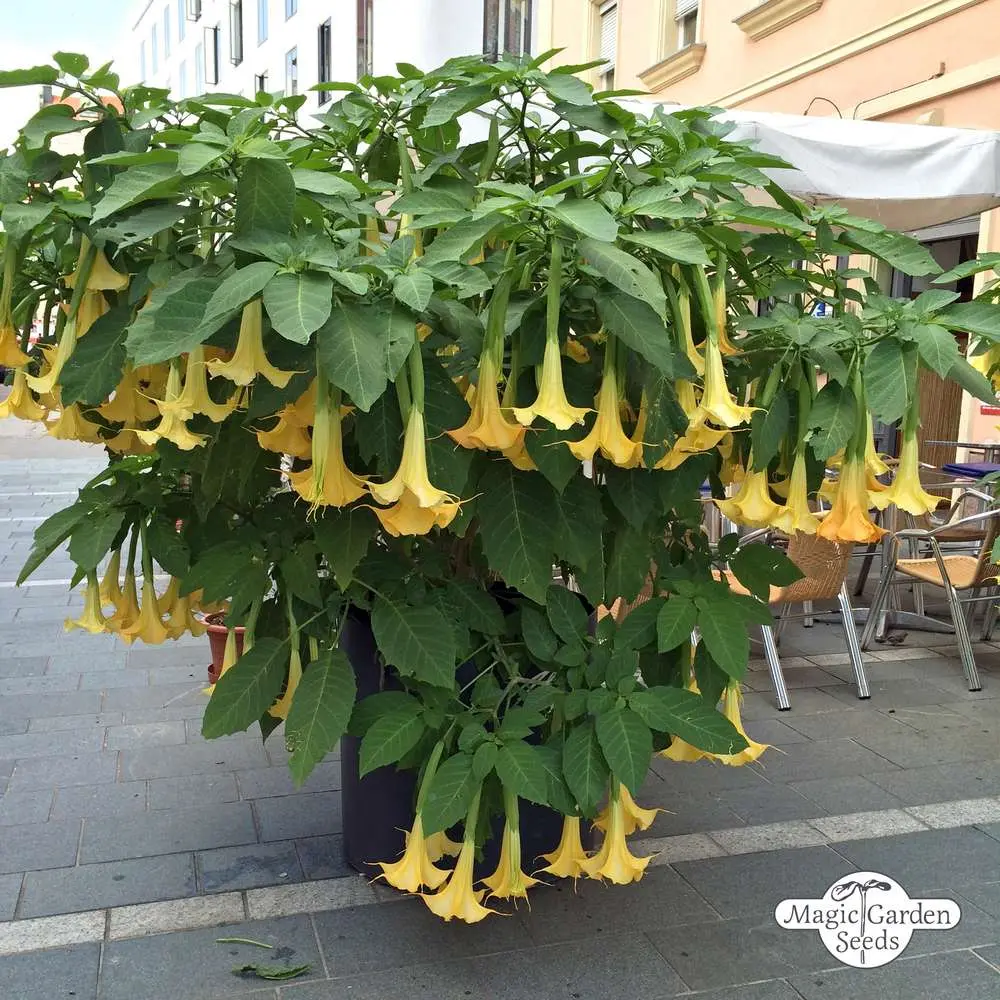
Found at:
(217, 641)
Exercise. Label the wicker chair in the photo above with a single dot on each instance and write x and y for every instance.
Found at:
(952, 573)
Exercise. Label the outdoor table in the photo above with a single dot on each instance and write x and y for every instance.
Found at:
(990, 450)
(971, 470)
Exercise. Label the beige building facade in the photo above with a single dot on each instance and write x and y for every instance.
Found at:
(933, 62)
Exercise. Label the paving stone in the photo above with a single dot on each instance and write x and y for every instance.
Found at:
(23, 666)
(321, 896)
(455, 980)
(25, 807)
(761, 705)
(986, 897)
(64, 972)
(141, 835)
(769, 804)
(199, 758)
(263, 783)
(962, 812)
(774, 989)
(116, 883)
(845, 795)
(146, 657)
(941, 783)
(231, 868)
(854, 826)
(60, 683)
(777, 733)
(72, 741)
(186, 791)
(323, 857)
(107, 680)
(151, 734)
(62, 663)
(955, 974)
(690, 814)
(13, 727)
(823, 758)
(916, 749)
(62, 772)
(768, 837)
(155, 696)
(39, 845)
(61, 723)
(36, 706)
(143, 919)
(10, 888)
(705, 777)
(297, 816)
(930, 859)
(731, 952)
(180, 710)
(667, 850)
(191, 964)
(195, 674)
(110, 799)
(852, 722)
(750, 884)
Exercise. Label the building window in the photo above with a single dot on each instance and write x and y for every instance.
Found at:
(608, 43)
(155, 49)
(199, 69)
(506, 28)
(212, 54)
(324, 62)
(166, 32)
(236, 32)
(686, 16)
(262, 21)
(292, 72)
(181, 18)
(260, 83)
(194, 10)
(291, 7)
(182, 80)
(142, 61)
(365, 33)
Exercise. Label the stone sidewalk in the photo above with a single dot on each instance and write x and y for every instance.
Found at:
(125, 839)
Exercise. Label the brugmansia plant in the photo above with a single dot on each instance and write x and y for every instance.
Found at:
(459, 361)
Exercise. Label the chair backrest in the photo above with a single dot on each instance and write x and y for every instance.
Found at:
(824, 565)
(987, 570)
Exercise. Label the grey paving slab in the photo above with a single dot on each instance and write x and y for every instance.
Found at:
(150, 734)
(777, 733)
(198, 758)
(313, 815)
(63, 663)
(154, 696)
(823, 758)
(116, 883)
(262, 783)
(25, 807)
(31, 706)
(190, 964)
(141, 835)
(183, 709)
(10, 888)
(838, 796)
(107, 680)
(24, 666)
(56, 684)
(73, 741)
(62, 772)
(956, 974)
(985, 896)
(689, 814)
(410, 934)
(230, 868)
(940, 783)
(62, 972)
(990, 955)
(771, 804)
(919, 749)
(929, 859)
(194, 674)
(13, 727)
(39, 845)
(705, 777)
(323, 857)
(774, 989)
(182, 792)
(761, 704)
(109, 799)
(60, 723)
(755, 883)
(189, 655)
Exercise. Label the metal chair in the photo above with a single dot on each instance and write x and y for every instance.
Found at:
(824, 565)
(952, 573)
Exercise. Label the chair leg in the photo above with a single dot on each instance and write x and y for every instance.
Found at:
(779, 622)
(808, 621)
(876, 611)
(866, 568)
(853, 647)
(774, 666)
(962, 637)
(918, 599)
(990, 616)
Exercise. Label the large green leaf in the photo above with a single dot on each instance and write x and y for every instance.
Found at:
(627, 744)
(725, 636)
(299, 304)
(195, 156)
(167, 546)
(323, 182)
(35, 76)
(92, 537)
(49, 535)
(687, 716)
(768, 429)
(566, 613)
(475, 607)
(521, 770)
(450, 794)
(903, 252)
(135, 185)
(834, 418)
(626, 273)
(343, 537)
(638, 327)
(94, 369)
(458, 241)
(979, 317)
(516, 526)
(936, 345)
(628, 564)
(566, 87)
(633, 492)
(586, 216)
(674, 623)
(538, 636)
(265, 197)
(417, 641)
(136, 227)
(579, 521)
(554, 460)
(759, 567)
(320, 712)
(19, 220)
(584, 767)
(972, 381)
(683, 247)
(235, 291)
(887, 378)
(413, 289)
(170, 324)
(247, 689)
(454, 102)
(298, 570)
(395, 732)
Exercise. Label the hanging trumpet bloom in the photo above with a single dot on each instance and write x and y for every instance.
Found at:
(614, 861)
(72, 425)
(43, 384)
(279, 710)
(92, 619)
(11, 355)
(250, 360)
(697, 438)
(848, 520)
(487, 427)
(717, 404)
(101, 277)
(93, 305)
(127, 606)
(752, 505)
(174, 414)
(148, 627)
(680, 300)
(20, 402)
(194, 397)
(508, 881)
(607, 434)
(439, 845)
(795, 515)
(111, 591)
(906, 490)
(124, 405)
(873, 460)
(635, 816)
(183, 620)
(731, 710)
(286, 437)
(415, 869)
(569, 857)
(126, 442)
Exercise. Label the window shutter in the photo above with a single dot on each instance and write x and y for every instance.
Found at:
(609, 34)
(684, 7)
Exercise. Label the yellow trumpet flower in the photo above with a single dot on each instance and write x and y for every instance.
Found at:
(230, 655)
(250, 360)
(407, 517)
(717, 404)
(167, 601)
(43, 384)
(194, 397)
(287, 436)
(92, 619)
(569, 857)
(551, 403)
(873, 460)
(279, 710)
(412, 476)
(607, 434)
(19, 402)
(906, 491)
(508, 881)
(148, 626)
(848, 520)
(111, 591)
(752, 505)
(93, 305)
(487, 427)
(128, 405)
(731, 710)
(795, 515)
(126, 606)
(635, 816)
(614, 861)
(102, 277)
(11, 355)
(174, 414)
(182, 619)
(438, 845)
(415, 869)
(72, 425)
(125, 442)
(682, 752)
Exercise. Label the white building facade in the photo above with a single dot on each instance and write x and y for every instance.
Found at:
(288, 46)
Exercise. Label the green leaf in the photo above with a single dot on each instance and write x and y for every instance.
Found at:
(833, 418)
(362, 346)
(94, 369)
(640, 625)
(219, 569)
(247, 690)
(633, 492)
(135, 185)
(459, 240)
(579, 522)
(585, 770)
(453, 103)
(538, 637)
(638, 327)
(764, 215)
(265, 197)
(73, 63)
(626, 273)
(586, 216)
(972, 381)
(628, 564)
(973, 317)
(936, 345)
(343, 537)
(382, 703)
(683, 247)
(566, 614)
(483, 759)
(49, 535)
(886, 381)
(725, 636)
(686, 715)
(475, 607)
(516, 526)
(564, 87)
(903, 252)
(984, 262)
(548, 451)
(674, 623)
(320, 712)
(390, 736)
(450, 794)
(521, 770)
(557, 794)
(299, 304)
(627, 744)
(759, 567)
(91, 539)
(323, 182)
(413, 289)
(768, 429)
(298, 569)
(167, 546)
(170, 324)
(36, 76)
(143, 224)
(417, 641)
(195, 156)
(235, 291)
(20, 220)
